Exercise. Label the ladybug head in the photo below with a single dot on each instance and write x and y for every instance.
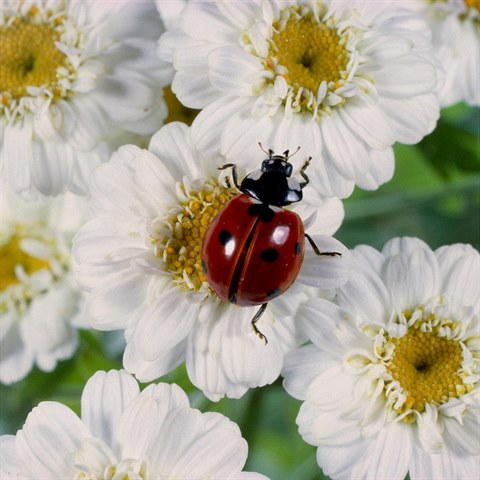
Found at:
(271, 184)
(277, 163)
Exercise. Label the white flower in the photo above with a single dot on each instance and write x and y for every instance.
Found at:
(390, 383)
(139, 257)
(124, 433)
(170, 12)
(40, 304)
(91, 76)
(343, 79)
(455, 27)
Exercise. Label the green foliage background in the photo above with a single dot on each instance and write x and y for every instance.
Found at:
(434, 195)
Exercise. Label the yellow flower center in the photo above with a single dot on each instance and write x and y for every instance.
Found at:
(312, 53)
(177, 112)
(29, 57)
(11, 256)
(181, 248)
(473, 4)
(426, 366)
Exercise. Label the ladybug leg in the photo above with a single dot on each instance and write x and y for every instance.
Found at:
(234, 172)
(255, 320)
(317, 250)
(303, 174)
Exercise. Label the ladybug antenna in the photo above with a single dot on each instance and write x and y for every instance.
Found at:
(270, 151)
(286, 152)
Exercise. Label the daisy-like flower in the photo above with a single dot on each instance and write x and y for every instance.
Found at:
(343, 79)
(455, 27)
(40, 303)
(74, 77)
(390, 383)
(139, 257)
(124, 433)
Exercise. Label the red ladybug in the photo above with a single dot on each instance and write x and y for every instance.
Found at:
(253, 249)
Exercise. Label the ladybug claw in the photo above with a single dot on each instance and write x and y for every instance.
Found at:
(260, 334)
(255, 320)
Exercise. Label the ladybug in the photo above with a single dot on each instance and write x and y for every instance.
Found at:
(253, 250)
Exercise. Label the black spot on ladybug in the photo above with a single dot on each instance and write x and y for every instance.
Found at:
(204, 267)
(224, 236)
(297, 248)
(274, 293)
(261, 210)
(269, 255)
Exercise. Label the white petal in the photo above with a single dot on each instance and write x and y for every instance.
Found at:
(241, 135)
(153, 176)
(207, 128)
(94, 456)
(170, 12)
(381, 170)
(234, 71)
(369, 124)
(51, 167)
(241, 14)
(16, 358)
(339, 461)
(194, 91)
(301, 367)
(114, 186)
(110, 307)
(48, 441)
(406, 245)
(104, 398)
(460, 273)
(169, 397)
(16, 154)
(390, 454)
(328, 213)
(412, 278)
(368, 257)
(10, 468)
(325, 271)
(365, 295)
(332, 428)
(223, 351)
(429, 430)
(50, 312)
(138, 428)
(306, 132)
(200, 19)
(88, 121)
(105, 240)
(400, 80)
(412, 118)
(116, 93)
(318, 318)
(348, 153)
(172, 145)
(168, 40)
(123, 18)
(463, 439)
(443, 466)
(200, 446)
(147, 371)
(165, 325)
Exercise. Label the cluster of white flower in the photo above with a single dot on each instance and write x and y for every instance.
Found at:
(125, 434)
(381, 347)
